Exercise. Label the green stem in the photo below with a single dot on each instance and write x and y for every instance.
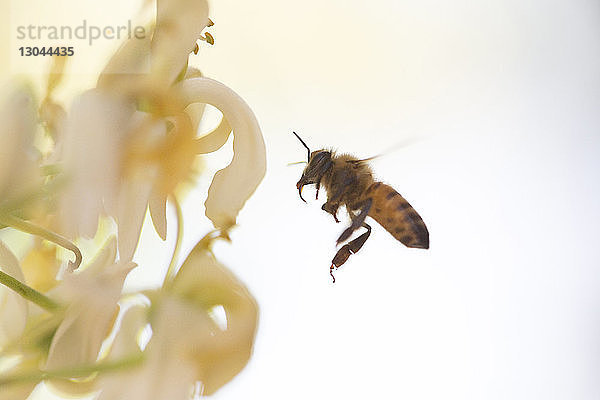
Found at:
(28, 293)
(28, 227)
(51, 169)
(172, 265)
(74, 372)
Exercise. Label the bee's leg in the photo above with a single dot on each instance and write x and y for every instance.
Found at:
(318, 186)
(331, 208)
(356, 221)
(348, 249)
(333, 203)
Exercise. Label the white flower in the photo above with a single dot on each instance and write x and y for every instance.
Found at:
(188, 344)
(179, 24)
(91, 296)
(94, 139)
(117, 165)
(233, 185)
(168, 372)
(106, 174)
(155, 61)
(220, 351)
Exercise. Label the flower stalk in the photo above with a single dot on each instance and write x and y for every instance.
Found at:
(32, 229)
(172, 265)
(81, 370)
(28, 293)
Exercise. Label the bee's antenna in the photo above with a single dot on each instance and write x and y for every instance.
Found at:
(304, 144)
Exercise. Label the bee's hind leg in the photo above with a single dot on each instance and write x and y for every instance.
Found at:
(356, 221)
(348, 249)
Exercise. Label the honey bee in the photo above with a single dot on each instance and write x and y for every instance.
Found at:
(349, 182)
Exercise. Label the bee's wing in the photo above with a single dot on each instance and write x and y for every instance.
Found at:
(399, 145)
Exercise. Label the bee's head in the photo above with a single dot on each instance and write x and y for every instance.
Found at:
(319, 162)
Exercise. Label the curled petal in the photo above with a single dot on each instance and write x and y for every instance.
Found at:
(195, 110)
(188, 344)
(233, 185)
(225, 350)
(215, 139)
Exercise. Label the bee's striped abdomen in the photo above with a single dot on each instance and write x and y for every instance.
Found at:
(397, 216)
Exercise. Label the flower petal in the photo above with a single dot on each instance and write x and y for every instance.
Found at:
(40, 266)
(194, 110)
(132, 205)
(126, 343)
(202, 280)
(179, 24)
(233, 185)
(131, 61)
(215, 139)
(56, 75)
(158, 213)
(95, 131)
(20, 391)
(187, 344)
(168, 371)
(19, 172)
(92, 296)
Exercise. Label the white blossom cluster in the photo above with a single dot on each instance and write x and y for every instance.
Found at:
(118, 150)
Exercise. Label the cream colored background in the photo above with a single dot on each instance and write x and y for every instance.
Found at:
(500, 100)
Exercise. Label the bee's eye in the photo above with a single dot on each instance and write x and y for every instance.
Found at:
(320, 158)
